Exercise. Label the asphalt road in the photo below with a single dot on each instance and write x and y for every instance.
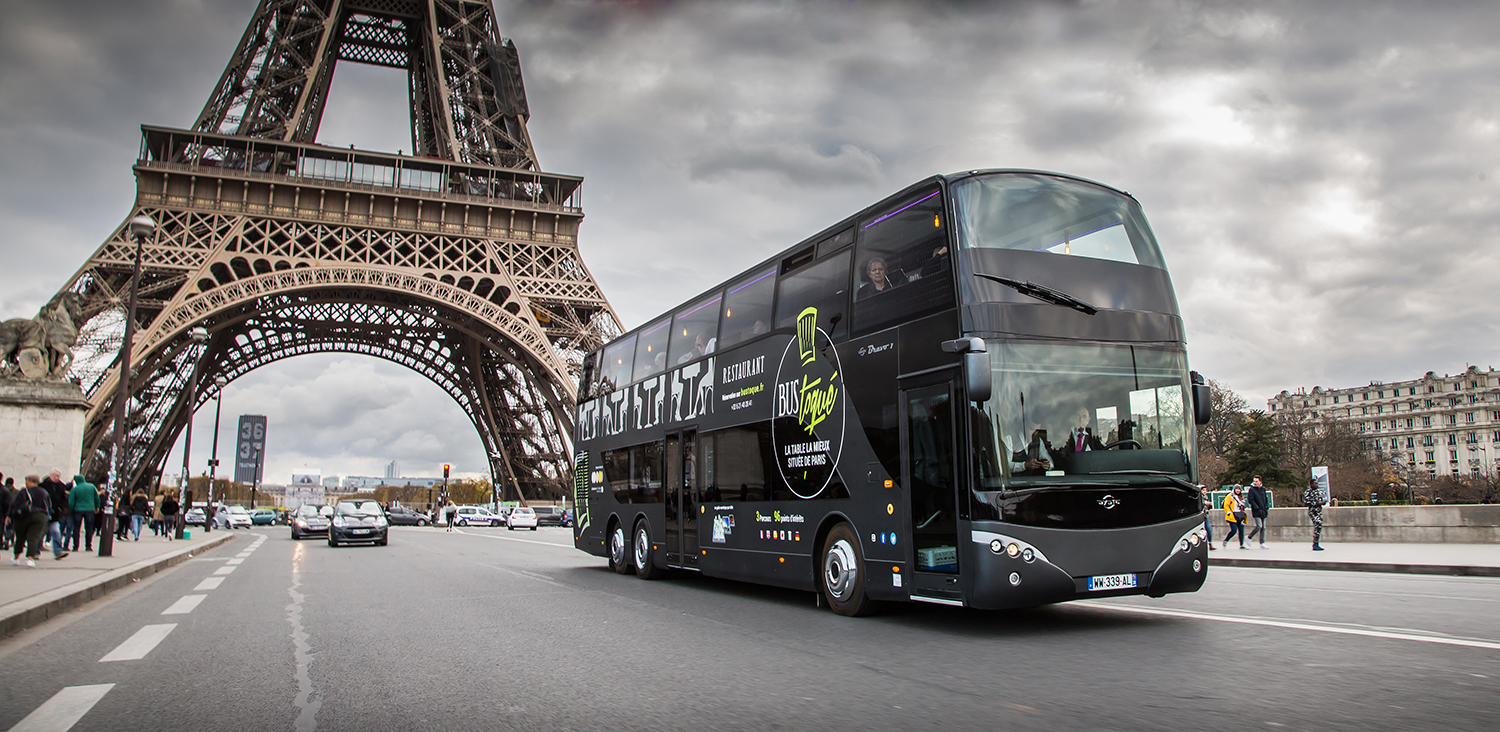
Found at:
(489, 629)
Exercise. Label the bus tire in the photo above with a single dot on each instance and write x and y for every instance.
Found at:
(841, 574)
(640, 553)
(618, 553)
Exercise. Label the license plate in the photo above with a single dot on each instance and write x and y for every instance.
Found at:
(1111, 582)
(366, 531)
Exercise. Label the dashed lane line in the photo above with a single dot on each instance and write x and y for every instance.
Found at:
(235, 562)
(137, 646)
(64, 709)
(225, 570)
(211, 583)
(184, 605)
(1295, 625)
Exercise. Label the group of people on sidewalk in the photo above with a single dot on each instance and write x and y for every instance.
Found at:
(61, 512)
(1241, 507)
(50, 513)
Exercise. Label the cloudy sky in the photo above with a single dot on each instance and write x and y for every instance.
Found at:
(1322, 176)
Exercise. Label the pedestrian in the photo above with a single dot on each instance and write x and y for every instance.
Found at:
(450, 511)
(140, 508)
(1234, 515)
(122, 516)
(169, 517)
(1260, 509)
(156, 522)
(1313, 499)
(29, 511)
(1208, 512)
(5, 529)
(57, 495)
(84, 500)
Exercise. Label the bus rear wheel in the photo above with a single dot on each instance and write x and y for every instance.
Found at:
(617, 559)
(644, 567)
(842, 579)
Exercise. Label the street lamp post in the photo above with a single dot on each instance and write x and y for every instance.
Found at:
(198, 335)
(139, 227)
(213, 462)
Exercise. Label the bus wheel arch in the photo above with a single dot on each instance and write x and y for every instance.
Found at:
(618, 543)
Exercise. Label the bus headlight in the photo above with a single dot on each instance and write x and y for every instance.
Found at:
(1012, 549)
(996, 546)
(1195, 539)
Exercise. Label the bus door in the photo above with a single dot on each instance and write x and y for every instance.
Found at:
(928, 468)
(682, 510)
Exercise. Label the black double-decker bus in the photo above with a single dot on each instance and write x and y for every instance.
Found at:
(974, 392)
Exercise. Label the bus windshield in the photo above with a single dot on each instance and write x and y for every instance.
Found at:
(1043, 213)
(1062, 411)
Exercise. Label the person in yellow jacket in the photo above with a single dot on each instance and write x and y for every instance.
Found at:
(1234, 515)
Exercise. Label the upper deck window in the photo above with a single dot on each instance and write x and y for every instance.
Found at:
(904, 263)
(695, 330)
(1043, 213)
(618, 358)
(589, 379)
(747, 308)
(651, 349)
(823, 285)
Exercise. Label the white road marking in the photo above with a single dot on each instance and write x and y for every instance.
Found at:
(137, 646)
(64, 709)
(1295, 625)
(212, 583)
(224, 570)
(234, 562)
(512, 538)
(184, 605)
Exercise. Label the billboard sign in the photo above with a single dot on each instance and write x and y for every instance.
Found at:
(249, 456)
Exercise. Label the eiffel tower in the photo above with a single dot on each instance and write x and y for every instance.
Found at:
(459, 261)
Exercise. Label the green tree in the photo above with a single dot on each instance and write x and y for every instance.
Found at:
(1260, 451)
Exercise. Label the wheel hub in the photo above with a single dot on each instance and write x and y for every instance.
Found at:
(838, 570)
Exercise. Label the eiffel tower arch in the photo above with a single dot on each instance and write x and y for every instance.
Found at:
(459, 261)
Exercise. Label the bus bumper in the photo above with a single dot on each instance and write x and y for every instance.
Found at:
(1055, 565)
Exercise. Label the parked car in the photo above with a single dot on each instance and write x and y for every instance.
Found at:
(523, 517)
(194, 517)
(549, 515)
(358, 521)
(477, 515)
(263, 517)
(403, 516)
(307, 521)
(234, 517)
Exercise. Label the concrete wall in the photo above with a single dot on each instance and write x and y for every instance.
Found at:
(1462, 524)
(41, 428)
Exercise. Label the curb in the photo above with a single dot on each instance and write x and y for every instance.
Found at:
(1389, 568)
(37, 609)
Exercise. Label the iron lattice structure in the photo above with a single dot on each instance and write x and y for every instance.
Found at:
(460, 262)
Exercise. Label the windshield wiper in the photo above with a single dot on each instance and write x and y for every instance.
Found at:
(1043, 293)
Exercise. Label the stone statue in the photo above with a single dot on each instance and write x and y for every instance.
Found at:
(43, 346)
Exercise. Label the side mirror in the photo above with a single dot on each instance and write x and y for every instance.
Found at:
(1203, 403)
(976, 366)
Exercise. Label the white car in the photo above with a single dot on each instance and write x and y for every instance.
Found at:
(476, 515)
(521, 516)
(234, 517)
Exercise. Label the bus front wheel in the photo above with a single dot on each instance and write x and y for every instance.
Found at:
(842, 580)
(617, 559)
(644, 567)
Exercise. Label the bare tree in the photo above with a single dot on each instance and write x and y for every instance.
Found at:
(1216, 440)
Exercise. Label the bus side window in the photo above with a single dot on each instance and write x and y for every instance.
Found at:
(618, 359)
(616, 464)
(904, 264)
(645, 473)
(651, 350)
(695, 331)
(747, 308)
(825, 286)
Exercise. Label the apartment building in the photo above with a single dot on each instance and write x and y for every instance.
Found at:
(1447, 425)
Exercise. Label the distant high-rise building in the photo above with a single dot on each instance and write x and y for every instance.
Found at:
(393, 470)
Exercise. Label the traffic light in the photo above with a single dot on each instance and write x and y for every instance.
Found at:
(445, 471)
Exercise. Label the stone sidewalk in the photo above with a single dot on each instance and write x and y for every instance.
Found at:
(1471, 560)
(30, 596)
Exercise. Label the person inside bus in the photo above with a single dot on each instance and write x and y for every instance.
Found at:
(878, 277)
(1081, 438)
(1038, 457)
(702, 346)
